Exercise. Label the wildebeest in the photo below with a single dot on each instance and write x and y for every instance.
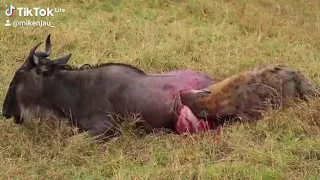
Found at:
(93, 96)
(248, 94)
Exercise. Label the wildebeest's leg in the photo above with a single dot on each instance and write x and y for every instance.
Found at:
(100, 127)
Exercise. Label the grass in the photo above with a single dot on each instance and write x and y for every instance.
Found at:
(220, 38)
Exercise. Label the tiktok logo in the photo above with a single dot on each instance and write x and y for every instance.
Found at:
(9, 12)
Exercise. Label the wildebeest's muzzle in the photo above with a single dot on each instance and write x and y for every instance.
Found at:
(8, 102)
(6, 108)
(10, 107)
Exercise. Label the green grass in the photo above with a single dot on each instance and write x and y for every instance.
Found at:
(218, 37)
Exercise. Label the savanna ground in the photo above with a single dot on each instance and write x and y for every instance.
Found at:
(218, 37)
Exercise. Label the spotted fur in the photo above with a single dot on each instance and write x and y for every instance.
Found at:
(248, 94)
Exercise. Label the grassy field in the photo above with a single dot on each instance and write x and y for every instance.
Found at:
(218, 37)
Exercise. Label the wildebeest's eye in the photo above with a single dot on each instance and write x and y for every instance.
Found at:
(19, 72)
(45, 70)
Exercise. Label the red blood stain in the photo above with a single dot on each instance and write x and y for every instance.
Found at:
(188, 122)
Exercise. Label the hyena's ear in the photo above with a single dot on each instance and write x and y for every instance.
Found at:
(190, 95)
(189, 98)
(205, 90)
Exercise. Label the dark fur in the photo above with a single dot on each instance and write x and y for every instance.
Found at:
(90, 66)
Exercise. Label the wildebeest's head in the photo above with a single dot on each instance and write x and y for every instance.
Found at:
(26, 84)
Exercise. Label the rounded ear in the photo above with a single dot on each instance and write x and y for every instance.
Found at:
(189, 98)
(35, 60)
(62, 60)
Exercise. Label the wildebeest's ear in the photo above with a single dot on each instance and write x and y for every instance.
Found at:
(36, 60)
(62, 60)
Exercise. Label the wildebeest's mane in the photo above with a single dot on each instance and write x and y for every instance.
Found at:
(95, 66)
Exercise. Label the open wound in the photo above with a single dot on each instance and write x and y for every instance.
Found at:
(188, 122)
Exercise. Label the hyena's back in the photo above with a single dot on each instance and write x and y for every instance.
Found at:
(287, 81)
(250, 93)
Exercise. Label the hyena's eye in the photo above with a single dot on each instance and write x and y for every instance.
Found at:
(204, 113)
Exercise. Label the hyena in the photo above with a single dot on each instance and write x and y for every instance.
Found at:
(248, 94)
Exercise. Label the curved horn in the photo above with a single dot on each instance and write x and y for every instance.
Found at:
(32, 52)
(29, 61)
(47, 49)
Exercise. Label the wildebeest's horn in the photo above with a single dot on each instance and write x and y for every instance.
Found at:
(62, 60)
(33, 50)
(47, 49)
(29, 61)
